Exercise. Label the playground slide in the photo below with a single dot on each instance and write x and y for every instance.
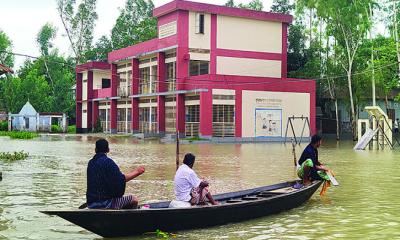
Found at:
(365, 139)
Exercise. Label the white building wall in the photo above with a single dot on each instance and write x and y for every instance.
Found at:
(98, 75)
(265, 114)
(248, 34)
(84, 85)
(248, 67)
(84, 115)
(199, 40)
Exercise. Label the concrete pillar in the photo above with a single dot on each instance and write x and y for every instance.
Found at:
(78, 102)
(113, 109)
(238, 113)
(89, 100)
(206, 114)
(161, 87)
(9, 122)
(95, 113)
(180, 114)
(135, 101)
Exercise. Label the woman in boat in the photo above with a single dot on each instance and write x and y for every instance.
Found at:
(189, 189)
(309, 166)
(106, 183)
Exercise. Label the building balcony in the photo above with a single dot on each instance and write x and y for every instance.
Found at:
(124, 91)
(102, 93)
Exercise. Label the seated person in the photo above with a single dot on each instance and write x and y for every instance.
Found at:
(106, 183)
(188, 187)
(310, 168)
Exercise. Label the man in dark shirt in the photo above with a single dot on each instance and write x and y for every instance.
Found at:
(309, 163)
(106, 183)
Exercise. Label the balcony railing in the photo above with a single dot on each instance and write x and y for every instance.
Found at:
(223, 129)
(105, 125)
(192, 129)
(146, 127)
(124, 91)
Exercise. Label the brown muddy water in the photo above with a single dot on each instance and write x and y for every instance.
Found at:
(365, 206)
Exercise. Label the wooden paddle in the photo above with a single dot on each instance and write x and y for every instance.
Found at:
(333, 179)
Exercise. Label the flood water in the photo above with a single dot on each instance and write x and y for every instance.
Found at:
(365, 205)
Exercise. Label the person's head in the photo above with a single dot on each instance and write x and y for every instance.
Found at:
(189, 159)
(397, 119)
(102, 146)
(316, 140)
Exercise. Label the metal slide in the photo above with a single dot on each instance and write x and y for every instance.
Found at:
(365, 139)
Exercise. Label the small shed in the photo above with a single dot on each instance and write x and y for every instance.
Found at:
(26, 119)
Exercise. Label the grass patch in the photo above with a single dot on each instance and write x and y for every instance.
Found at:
(56, 129)
(15, 156)
(71, 129)
(19, 135)
(196, 139)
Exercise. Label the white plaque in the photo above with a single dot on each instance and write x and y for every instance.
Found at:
(167, 30)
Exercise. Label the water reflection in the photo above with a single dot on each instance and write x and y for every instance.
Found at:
(54, 176)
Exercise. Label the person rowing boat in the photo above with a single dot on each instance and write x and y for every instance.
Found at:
(106, 183)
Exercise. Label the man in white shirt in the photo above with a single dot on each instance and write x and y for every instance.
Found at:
(188, 187)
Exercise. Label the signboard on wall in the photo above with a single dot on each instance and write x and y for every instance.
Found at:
(268, 122)
(167, 30)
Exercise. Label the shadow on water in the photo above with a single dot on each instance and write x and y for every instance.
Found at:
(365, 205)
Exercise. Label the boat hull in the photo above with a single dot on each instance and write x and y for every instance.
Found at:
(117, 223)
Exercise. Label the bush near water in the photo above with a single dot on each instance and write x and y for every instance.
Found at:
(19, 135)
(15, 156)
(3, 125)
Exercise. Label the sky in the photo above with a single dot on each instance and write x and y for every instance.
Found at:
(21, 20)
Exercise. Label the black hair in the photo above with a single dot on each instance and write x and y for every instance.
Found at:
(315, 138)
(189, 159)
(102, 146)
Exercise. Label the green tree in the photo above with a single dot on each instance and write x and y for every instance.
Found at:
(254, 5)
(6, 58)
(78, 25)
(34, 87)
(46, 34)
(101, 49)
(282, 6)
(135, 24)
(348, 23)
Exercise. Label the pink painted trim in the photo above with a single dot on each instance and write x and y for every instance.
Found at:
(170, 17)
(78, 115)
(113, 116)
(220, 10)
(102, 93)
(182, 53)
(161, 87)
(238, 113)
(206, 114)
(248, 54)
(90, 85)
(213, 56)
(142, 48)
(92, 65)
(135, 101)
(95, 112)
(284, 51)
(78, 77)
(114, 80)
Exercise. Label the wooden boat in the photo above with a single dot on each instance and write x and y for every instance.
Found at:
(234, 207)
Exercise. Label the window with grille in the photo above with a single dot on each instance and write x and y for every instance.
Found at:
(144, 80)
(223, 120)
(198, 67)
(171, 76)
(199, 23)
(193, 113)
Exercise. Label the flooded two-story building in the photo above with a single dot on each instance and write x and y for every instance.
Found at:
(213, 71)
